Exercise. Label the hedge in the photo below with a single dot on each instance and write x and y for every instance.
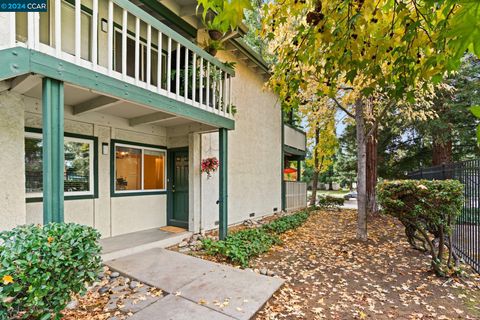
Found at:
(328, 202)
(428, 210)
(43, 266)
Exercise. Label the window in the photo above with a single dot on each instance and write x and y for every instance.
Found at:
(78, 166)
(47, 25)
(142, 56)
(68, 23)
(139, 169)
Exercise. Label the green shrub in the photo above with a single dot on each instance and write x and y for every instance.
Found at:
(329, 202)
(241, 246)
(428, 210)
(285, 223)
(42, 266)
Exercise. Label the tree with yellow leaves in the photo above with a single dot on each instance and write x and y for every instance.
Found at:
(320, 117)
(371, 57)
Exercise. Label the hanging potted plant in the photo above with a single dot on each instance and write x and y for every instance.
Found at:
(222, 16)
(209, 165)
(213, 46)
(215, 32)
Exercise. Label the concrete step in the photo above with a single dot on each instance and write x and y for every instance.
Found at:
(131, 243)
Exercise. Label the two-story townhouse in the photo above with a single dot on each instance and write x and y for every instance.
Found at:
(107, 108)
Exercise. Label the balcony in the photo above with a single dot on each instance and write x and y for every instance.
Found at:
(295, 195)
(119, 40)
(295, 141)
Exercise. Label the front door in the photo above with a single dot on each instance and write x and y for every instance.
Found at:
(178, 188)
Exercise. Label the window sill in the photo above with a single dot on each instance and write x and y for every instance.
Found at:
(67, 198)
(137, 193)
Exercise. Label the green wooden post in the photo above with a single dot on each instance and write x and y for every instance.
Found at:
(299, 170)
(282, 157)
(53, 158)
(223, 177)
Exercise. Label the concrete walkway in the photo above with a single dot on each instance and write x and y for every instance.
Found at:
(197, 289)
(350, 204)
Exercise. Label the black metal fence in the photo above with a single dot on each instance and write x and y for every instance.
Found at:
(466, 235)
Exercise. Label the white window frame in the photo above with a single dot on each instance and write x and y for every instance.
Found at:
(91, 165)
(142, 171)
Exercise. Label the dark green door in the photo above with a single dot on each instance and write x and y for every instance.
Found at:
(178, 188)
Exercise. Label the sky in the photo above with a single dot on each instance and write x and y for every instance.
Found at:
(340, 124)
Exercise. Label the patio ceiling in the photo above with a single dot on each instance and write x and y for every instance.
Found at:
(85, 101)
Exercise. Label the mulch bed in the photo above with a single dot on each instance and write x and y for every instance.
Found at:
(331, 275)
(113, 297)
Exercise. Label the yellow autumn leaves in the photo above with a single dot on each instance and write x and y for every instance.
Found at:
(7, 279)
(370, 45)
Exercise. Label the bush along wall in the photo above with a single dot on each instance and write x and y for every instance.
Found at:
(241, 246)
(428, 210)
(43, 266)
(329, 202)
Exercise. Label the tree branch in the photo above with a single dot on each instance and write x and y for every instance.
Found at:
(339, 105)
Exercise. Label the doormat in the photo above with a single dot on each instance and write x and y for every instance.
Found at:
(173, 229)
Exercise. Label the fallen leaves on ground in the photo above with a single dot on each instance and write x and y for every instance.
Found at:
(331, 275)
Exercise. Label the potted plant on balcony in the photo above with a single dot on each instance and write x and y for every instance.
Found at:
(215, 32)
(221, 17)
(212, 47)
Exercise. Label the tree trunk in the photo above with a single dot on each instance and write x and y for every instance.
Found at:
(371, 174)
(361, 171)
(441, 152)
(313, 199)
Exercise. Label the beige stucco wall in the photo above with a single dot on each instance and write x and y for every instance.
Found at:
(12, 187)
(111, 216)
(78, 211)
(131, 214)
(254, 152)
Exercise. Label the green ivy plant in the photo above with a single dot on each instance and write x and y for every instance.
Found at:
(43, 266)
(428, 210)
(243, 245)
